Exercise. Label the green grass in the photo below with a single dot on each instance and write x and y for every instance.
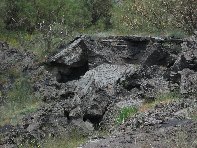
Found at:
(73, 142)
(125, 113)
(170, 96)
(64, 141)
(19, 102)
(128, 112)
(12, 37)
(12, 113)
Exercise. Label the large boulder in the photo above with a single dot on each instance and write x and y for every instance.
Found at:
(97, 88)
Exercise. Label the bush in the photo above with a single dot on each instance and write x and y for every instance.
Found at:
(29, 15)
(99, 10)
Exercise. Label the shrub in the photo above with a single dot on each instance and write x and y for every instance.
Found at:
(29, 15)
(99, 10)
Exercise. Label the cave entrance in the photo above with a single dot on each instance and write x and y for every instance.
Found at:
(94, 119)
(65, 73)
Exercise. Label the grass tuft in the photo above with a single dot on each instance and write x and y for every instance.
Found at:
(163, 98)
(125, 113)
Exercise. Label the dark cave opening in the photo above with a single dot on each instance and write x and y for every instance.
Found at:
(65, 73)
(94, 119)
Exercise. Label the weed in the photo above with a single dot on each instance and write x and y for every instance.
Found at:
(125, 113)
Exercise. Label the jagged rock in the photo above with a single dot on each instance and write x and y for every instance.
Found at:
(13, 64)
(4, 45)
(103, 77)
(187, 58)
(71, 54)
(96, 89)
(86, 84)
(148, 80)
(14, 58)
(157, 55)
(162, 124)
(71, 62)
(188, 84)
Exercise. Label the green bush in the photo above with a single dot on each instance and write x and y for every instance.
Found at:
(28, 15)
(39, 14)
(100, 10)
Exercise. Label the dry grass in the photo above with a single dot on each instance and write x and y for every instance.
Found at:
(19, 101)
(160, 99)
(64, 142)
(12, 113)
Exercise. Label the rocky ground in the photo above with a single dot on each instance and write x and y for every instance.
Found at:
(85, 85)
(165, 126)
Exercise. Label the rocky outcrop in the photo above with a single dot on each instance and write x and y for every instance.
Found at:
(166, 125)
(87, 83)
(188, 82)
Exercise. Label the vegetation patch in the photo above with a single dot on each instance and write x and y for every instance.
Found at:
(72, 142)
(125, 113)
(42, 26)
(128, 112)
(193, 115)
(19, 101)
(163, 98)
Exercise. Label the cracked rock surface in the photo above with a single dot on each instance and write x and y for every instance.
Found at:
(87, 83)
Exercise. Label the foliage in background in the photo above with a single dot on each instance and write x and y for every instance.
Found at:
(153, 16)
(42, 25)
(99, 10)
(36, 14)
